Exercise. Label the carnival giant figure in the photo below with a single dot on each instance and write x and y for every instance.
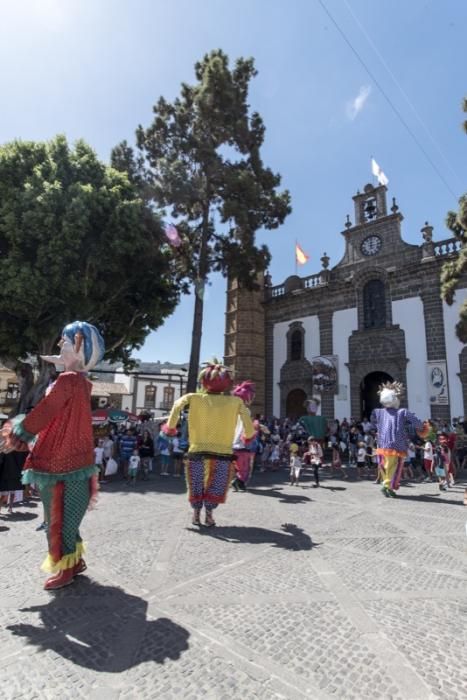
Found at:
(315, 425)
(391, 424)
(212, 420)
(243, 454)
(61, 459)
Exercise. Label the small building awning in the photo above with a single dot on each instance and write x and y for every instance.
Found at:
(109, 389)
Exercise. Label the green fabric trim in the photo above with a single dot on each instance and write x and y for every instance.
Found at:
(43, 479)
(18, 430)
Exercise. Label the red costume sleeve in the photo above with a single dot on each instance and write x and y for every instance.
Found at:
(51, 405)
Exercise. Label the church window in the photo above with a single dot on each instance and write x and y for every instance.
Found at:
(296, 343)
(374, 304)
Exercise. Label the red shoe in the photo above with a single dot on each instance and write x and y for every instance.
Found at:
(79, 568)
(60, 580)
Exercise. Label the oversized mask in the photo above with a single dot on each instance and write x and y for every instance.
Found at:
(389, 394)
(81, 347)
(312, 406)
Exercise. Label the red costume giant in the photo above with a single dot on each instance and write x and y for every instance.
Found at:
(61, 460)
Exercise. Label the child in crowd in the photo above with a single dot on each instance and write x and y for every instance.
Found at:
(314, 456)
(409, 462)
(361, 459)
(446, 458)
(295, 465)
(99, 459)
(275, 456)
(177, 454)
(336, 461)
(164, 445)
(133, 466)
(428, 460)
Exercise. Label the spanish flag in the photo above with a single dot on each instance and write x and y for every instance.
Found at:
(300, 256)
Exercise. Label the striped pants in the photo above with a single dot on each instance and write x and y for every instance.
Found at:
(208, 479)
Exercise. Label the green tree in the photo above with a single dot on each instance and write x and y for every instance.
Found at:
(76, 242)
(453, 270)
(200, 158)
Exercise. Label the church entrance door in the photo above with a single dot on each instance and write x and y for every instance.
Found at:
(369, 398)
(295, 404)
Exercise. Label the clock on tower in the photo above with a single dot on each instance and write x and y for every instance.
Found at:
(371, 245)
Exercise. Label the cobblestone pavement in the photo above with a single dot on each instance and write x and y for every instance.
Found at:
(298, 592)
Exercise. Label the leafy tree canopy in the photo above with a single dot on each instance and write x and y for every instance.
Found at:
(76, 242)
(453, 270)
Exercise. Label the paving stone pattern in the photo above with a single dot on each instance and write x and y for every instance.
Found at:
(298, 592)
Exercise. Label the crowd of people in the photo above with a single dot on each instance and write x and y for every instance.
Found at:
(348, 449)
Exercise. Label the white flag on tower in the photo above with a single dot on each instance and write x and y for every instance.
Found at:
(377, 172)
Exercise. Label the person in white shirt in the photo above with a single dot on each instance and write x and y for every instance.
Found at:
(99, 459)
(314, 456)
(133, 466)
(361, 459)
(295, 468)
(428, 460)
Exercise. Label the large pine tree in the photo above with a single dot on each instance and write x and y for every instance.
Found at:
(201, 158)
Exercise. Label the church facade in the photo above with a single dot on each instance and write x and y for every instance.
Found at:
(338, 334)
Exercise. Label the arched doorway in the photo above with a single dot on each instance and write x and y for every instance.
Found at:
(294, 406)
(369, 398)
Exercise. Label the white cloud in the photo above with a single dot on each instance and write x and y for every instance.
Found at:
(355, 106)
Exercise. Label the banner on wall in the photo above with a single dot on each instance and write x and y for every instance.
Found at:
(437, 382)
(324, 369)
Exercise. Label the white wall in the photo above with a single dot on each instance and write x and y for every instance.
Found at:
(453, 349)
(128, 381)
(311, 349)
(408, 314)
(344, 322)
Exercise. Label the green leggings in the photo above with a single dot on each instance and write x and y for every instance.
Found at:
(65, 504)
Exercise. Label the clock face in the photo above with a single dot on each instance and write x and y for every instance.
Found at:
(371, 245)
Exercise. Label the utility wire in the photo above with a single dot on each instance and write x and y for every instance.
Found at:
(402, 91)
(388, 100)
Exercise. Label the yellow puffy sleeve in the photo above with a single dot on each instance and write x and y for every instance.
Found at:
(177, 408)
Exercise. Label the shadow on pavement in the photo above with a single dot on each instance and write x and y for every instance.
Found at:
(278, 493)
(18, 515)
(436, 498)
(102, 628)
(3, 529)
(332, 488)
(293, 537)
(155, 484)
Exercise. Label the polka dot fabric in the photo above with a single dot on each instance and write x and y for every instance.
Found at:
(208, 480)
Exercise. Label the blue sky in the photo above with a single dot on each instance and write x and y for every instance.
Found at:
(94, 68)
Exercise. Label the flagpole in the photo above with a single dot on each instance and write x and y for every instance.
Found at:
(295, 255)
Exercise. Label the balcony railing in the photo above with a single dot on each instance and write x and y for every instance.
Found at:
(165, 405)
(450, 246)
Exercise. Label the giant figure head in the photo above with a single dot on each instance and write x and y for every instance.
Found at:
(81, 347)
(245, 391)
(312, 405)
(390, 393)
(215, 378)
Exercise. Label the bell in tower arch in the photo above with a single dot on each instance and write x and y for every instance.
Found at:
(370, 209)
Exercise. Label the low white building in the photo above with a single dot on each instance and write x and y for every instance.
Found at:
(151, 387)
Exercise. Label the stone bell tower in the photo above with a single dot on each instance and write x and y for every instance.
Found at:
(245, 337)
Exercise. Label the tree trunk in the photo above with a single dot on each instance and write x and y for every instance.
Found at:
(197, 331)
(30, 392)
